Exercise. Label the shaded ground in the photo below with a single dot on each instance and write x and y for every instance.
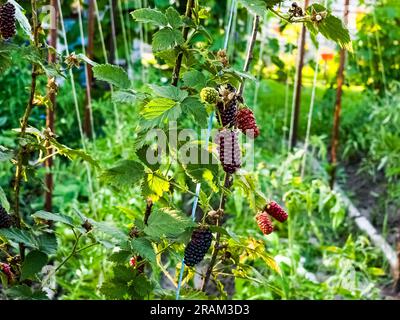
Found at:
(369, 196)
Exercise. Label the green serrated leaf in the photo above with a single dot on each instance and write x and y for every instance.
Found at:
(47, 243)
(193, 106)
(158, 107)
(168, 223)
(33, 263)
(144, 248)
(330, 27)
(72, 153)
(203, 167)
(120, 257)
(174, 18)
(194, 79)
(122, 96)
(114, 75)
(110, 230)
(126, 174)
(257, 7)
(154, 186)
(19, 236)
(167, 38)
(142, 155)
(57, 217)
(169, 92)
(3, 200)
(23, 292)
(150, 15)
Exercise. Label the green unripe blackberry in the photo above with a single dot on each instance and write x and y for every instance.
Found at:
(5, 218)
(209, 95)
(197, 247)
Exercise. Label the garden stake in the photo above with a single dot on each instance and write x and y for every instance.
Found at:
(51, 92)
(88, 126)
(338, 105)
(311, 111)
(298, 83)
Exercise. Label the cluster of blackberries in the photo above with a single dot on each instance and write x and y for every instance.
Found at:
(263, 218)
(5, 218)
(229, 150)
(7, 20)
(246, 122)
(198, 246)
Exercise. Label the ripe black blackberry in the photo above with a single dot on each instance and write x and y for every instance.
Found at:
(7, 20)
(5, 218)
(197, 247)
(229, 150)
(227, 106)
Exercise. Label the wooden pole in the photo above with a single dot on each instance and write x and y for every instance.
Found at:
(87, 127)
(299, 82)
(50, 112)
(338, 104)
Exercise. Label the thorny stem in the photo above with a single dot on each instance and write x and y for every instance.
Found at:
(228, 177)
(24, 125)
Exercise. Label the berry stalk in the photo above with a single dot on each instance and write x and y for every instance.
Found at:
(228, 176)
(24, 124)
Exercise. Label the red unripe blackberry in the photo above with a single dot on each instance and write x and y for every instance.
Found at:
(246, 122)
(5, 218)
(276, 211)
(197, 247)
(132, 262)
(7, 20)
(264, 223)
(229, 150)
(7, 270)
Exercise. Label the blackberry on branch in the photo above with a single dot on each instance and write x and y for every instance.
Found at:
(246, 122)
(7, 20)
(227, 106)
(5, 218)
(276, 211)
(264, 223)
(197, 247)
(229, 150)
